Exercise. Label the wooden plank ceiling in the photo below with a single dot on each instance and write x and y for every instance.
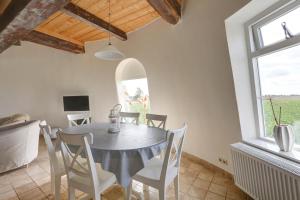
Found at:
(71, 23)
(127, 15)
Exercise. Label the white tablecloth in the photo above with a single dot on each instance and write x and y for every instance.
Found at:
(125, 153)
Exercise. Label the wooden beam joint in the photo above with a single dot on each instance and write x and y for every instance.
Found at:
(169, 10)
(82, 15)
(22, 16)
(50, 41)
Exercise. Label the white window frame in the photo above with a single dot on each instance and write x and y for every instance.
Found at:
(256, 49)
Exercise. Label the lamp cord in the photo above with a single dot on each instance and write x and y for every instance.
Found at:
(109, 25)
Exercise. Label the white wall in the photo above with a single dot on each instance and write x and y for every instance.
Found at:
(236, 36)
(129, 69)
(33, 79)
(187, 67)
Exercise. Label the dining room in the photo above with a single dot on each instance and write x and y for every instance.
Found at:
(119, 99)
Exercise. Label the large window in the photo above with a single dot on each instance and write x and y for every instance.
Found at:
(132, 85)
(274, 32)
(135, 97)
(275, 56)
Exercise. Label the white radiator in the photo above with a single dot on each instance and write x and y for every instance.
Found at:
(265, 176)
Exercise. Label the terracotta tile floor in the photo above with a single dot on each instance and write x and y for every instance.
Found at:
(196, 182)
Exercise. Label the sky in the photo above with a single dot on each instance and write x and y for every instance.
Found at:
(132, 85)
(280, 72)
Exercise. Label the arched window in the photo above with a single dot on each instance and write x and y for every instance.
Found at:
(132, 87)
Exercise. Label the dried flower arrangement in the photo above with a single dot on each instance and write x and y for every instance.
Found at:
(283, 133)
(278, 121)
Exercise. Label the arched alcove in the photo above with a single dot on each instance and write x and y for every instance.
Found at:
(132, 86)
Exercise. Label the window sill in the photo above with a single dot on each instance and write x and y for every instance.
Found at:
(271, 147)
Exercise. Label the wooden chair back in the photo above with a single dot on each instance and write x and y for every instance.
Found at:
(78, 119)
(130, 117)
(174, 150)
(73, 161)
(158, 121)
(46, 132)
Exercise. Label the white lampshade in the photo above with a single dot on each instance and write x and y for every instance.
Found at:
(109, 53)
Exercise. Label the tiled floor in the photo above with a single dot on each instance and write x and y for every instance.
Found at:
(196, 182)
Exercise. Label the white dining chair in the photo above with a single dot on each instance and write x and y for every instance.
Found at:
(160, 173)
(89, 178)
(57, 169)
(130, 117)
(78, 119)
(158, 121)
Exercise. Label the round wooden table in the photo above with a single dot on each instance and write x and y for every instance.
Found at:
(124, 153)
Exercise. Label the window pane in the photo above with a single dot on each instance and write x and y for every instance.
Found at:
(134, 96)
(273, 31)
(280, 79)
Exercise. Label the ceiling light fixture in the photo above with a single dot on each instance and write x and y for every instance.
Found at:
(109, 52)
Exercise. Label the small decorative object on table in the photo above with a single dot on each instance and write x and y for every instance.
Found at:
(283, 133)
(114, 118)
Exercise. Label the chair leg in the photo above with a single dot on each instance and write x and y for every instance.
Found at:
(176, 185)
(57, 187)
(145, 188)
(162, 194)
(97, 196)
(52, 181)
(128, 191)
(71, 193)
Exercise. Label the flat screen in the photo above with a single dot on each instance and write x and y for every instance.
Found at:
(76, 103)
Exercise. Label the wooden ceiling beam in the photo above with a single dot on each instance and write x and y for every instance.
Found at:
(169, 10)
(82, 15)
(3, 5)
(22, 16)
(50, 41)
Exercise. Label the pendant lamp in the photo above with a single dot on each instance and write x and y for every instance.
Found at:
(109, 52)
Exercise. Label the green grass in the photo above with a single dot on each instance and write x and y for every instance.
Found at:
(290, 114)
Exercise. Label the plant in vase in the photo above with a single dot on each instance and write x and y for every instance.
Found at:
(283, 133)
